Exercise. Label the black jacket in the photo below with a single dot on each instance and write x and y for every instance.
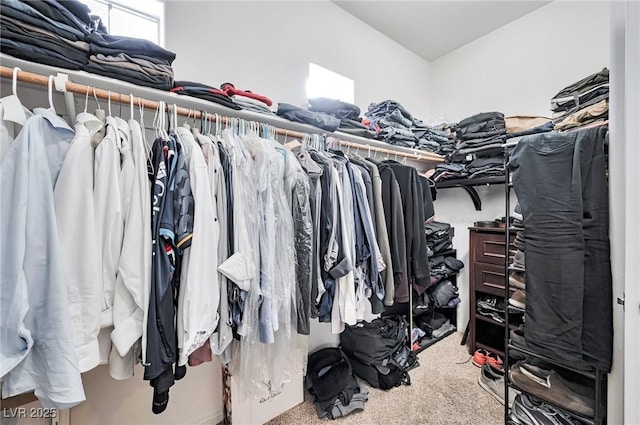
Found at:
(394, 217)
(416, 240)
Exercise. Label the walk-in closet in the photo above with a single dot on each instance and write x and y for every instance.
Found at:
(351, 212)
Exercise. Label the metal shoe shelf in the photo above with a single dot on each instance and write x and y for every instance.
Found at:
(598, 376)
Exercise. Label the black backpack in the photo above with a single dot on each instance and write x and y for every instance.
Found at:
(328, 372)
(378, 351)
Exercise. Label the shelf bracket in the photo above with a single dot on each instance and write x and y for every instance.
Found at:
(475, 198)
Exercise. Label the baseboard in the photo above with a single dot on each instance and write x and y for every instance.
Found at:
(215, 420)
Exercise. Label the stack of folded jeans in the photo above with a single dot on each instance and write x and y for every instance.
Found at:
(202, 91)
(134, 60)
(582, 103)
(45, 32)
(392, 122)
(347, 113)
(63, 34)
(433, 140)
(479, 151)
(248, 100)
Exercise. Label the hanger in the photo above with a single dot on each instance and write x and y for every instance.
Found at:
(99, 113)
(109, 103)
(13, 109)
(86, 100)
(404, 160)
(50, 94)
(131, 106)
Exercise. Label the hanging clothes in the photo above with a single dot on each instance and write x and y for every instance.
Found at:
(34, 311)
(172, 224)
(80, 241)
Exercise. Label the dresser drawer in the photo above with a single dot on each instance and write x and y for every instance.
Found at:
(489, 278)
(489, 248)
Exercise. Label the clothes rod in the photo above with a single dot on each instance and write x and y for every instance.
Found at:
(41, 80)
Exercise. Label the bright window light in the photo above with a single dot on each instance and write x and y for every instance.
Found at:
(142, 20)
(325, 83)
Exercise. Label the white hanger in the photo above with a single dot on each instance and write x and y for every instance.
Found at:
(50, 94)
(131, 106)
(13, 109)
(109, 103)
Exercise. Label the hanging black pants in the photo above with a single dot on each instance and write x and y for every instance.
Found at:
(561, 183)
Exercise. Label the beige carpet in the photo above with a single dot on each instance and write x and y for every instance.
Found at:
(442, 392)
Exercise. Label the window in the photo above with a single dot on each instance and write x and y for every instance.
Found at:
(325, 83)
(143, 21)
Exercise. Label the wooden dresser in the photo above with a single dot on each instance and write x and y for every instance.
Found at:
(487, 278)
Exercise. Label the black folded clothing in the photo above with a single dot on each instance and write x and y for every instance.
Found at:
(38, 54)
(483, 125)
(202, 91)
(113, 44)
(335, 108)
(316, 119)
(160, 82)
(580, 87)
(22, 35)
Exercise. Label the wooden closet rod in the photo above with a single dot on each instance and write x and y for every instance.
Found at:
(29, 77)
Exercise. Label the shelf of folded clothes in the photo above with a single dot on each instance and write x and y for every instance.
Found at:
(481, 181)
(586, 373)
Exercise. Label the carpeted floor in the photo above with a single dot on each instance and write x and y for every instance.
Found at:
(442, 392)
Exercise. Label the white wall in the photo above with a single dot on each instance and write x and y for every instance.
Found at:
(515, 69)
(266, 47)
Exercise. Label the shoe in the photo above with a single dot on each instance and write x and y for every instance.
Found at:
(491, 304)
(519, 241)
(518, 260)
(517, 211)
(530, 411)
(518, 299)
(494, 384)
(517, 338)
(494, 361)
(542, 369)
(518, 280)
(480, 357)
(552, 388)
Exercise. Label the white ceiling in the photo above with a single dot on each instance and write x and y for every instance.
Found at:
(434, 28)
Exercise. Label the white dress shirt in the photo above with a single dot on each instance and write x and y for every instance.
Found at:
(79, 241)
(37, 349)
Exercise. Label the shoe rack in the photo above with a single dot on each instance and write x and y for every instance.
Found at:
(596, 376)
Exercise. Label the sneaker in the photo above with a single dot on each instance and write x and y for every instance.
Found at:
(518, 280)
(518, 260)
(531, 411)
(551, 387)
(518, 242)
(518, 299)
(517, 338)
(494, 361)
(493, 383)
(480, 357)
(491, 304)
(517, 211)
